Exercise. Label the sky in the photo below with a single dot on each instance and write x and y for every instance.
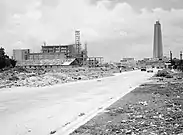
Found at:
(111, 28)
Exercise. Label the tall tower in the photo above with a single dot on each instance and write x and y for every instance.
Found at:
(157, 47)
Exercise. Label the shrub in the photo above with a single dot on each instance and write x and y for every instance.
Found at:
(164, 73)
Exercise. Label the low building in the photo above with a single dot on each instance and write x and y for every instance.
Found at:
(128, 62)
(94, 61)
(21, 54)
(56, 55)
(48, 63)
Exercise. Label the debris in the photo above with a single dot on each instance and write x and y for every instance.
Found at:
(53, 132)
(19, 77)
(143, 103)
(81, 114)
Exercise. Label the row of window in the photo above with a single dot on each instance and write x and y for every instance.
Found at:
(31, 57)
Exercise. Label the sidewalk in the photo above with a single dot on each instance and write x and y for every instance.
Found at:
(154, 108)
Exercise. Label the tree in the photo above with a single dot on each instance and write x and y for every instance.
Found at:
(5, 61)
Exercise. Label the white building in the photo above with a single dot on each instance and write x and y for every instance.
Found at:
(128, 62)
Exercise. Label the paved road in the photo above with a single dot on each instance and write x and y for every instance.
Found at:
(37, 111)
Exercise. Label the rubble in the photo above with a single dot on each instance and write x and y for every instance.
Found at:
(20, 77)
(164, 73)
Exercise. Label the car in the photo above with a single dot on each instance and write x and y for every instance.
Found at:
(143, 69)
(150, 71)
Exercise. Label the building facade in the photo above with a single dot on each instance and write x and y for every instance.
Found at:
(157, 45)
(55, 55)
(128, 62)
(21, 54)
(48, 52)
(68, 50)
(49, 56)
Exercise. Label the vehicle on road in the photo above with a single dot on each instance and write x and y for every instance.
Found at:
(143, 69)
(150, 71)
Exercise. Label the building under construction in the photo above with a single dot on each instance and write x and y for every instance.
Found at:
(56, 56)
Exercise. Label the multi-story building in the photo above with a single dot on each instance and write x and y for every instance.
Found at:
(69, 50)
(54, 52)
(21, 54)
(54, 55)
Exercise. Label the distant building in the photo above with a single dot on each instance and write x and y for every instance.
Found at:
(56, 55)
(128, 62)
(69, 50)
(54, 52)
(21, 54)
(95, 61)
(157, 45)
(49, 56)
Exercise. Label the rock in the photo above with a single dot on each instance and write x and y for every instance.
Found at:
(53, 132)
(81, 114)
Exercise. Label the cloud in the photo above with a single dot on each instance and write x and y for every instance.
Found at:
(115, 27)
(148, 4)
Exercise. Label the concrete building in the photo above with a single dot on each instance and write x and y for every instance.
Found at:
(55, 55)
(49, 56)
(69, 50)
(52, 52)
(95, 61)
(128, 62)
(157, 45)
(21, 54)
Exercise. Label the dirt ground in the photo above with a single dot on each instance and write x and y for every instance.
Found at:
(154, 108)
(20, 77)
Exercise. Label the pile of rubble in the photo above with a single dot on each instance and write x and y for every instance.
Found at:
(19, 77)
(164, 73)
(151, 109)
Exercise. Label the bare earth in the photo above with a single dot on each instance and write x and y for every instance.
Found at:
(59, 109)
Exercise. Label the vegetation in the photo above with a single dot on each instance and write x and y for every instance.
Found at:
(5, 61)
(177, 64)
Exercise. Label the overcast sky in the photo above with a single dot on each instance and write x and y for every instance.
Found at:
(112, 28)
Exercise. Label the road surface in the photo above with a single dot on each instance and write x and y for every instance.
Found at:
(38, 111)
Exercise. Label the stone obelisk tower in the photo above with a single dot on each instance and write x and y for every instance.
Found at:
(157, 47)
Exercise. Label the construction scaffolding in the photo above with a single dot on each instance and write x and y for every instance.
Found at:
(77, 41)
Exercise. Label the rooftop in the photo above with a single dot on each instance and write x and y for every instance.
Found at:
(49, 46)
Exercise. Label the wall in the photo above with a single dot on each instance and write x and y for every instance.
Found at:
(50, 56)
(21, 54)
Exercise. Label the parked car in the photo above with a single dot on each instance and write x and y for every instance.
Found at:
(150, 71)
(143, 69)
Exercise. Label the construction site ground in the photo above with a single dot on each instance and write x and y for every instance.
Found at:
(21, 77)
(154, 108)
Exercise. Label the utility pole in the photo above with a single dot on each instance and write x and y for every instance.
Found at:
(171, 57)
(181, 66)
(180, 55)
(85, 54)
